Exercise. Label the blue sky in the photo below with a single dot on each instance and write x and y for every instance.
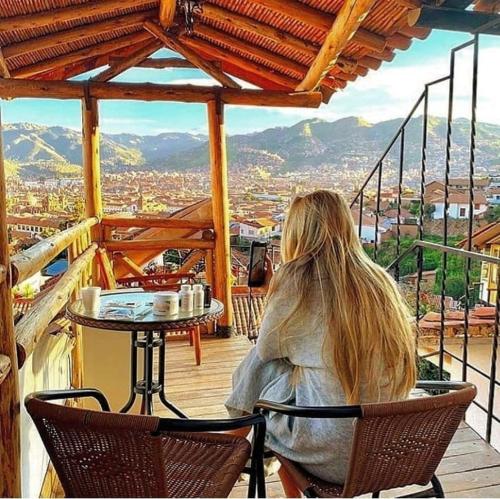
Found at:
(383, 94)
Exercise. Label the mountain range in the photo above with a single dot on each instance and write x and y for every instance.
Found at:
(35, 150)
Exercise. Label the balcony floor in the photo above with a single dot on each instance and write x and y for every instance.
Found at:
(471, 468)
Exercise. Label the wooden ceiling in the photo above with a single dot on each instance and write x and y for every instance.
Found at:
(273, 44)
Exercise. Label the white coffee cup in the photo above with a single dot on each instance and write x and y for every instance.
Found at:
(91, 298)
(166, 303)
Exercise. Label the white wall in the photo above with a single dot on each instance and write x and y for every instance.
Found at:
(49, 367)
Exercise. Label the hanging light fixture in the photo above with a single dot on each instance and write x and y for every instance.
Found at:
(189, 8)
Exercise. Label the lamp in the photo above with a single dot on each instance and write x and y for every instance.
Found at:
(189, 8)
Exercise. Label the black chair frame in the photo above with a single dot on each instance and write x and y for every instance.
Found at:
(354, 411)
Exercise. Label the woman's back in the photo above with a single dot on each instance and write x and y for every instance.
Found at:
(336, 331)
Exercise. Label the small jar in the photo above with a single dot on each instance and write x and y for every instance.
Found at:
(199, 296)
(186, 298)
(166, 303)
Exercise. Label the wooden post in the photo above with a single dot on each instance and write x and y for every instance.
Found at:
(220, 207)
(10, 447)
(91, 164)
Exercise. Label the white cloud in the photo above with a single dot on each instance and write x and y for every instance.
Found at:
(391, 91)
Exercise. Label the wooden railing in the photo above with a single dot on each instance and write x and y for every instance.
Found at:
(29, 262)
(157, 223)
(81, 253)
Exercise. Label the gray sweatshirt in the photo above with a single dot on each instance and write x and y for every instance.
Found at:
(321, 446)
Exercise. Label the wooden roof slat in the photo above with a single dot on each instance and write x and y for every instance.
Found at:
(260, 53)
(12, 88)
(322, 20)
(166, 12)
(173, 43)
(129, 62)
(52, 16)
(83, 31)
(226, 56)
(344, 27)
(78, 55)
(4, 70)
(252, 50)
(214, 12)
(65, 72)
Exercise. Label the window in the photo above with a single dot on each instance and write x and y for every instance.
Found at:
(462, 212)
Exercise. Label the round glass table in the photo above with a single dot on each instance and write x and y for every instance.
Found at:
(133, 313)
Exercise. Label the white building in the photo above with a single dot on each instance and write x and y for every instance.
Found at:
(458, 206)
(368, 227)
(261, 228)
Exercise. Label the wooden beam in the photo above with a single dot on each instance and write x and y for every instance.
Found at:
(253, 50)
(158, 244)
(235, 59)
(157, 223)
(53, 16)
(10, 446)
(66, 72)
(138, 56)
(455, 20)
(220, 209)
(4, 70)
(233, 19)
(33, 325)
(159, 63)
(12, 88)
(173, 43)
(347, 22)
(78, 55)
(166, 12)
(70, 35)
(91, 160)
(32, 260)
(322, 20)
(490, 6)
(129, 264)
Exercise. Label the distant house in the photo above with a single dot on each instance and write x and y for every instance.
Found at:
(463, 183)
(493, 195)
(487, 240)
(261, 228)
(368, 227)
(458, 205)
(33, 226)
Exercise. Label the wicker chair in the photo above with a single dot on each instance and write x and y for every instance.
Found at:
(395, 444)
(104, 454)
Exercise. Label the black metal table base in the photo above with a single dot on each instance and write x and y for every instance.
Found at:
(147, 386)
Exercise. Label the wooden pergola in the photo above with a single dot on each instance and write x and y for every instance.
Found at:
(297, 53)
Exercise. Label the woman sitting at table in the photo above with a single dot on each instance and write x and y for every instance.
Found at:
(335, 331)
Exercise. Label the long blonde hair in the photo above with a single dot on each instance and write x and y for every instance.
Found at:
(369, 337)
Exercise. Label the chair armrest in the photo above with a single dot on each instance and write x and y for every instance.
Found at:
(72, 393)
(443, 385)
(204, 425)
(342, 411)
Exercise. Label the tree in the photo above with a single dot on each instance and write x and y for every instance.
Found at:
(493, 213)
(429, 209)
